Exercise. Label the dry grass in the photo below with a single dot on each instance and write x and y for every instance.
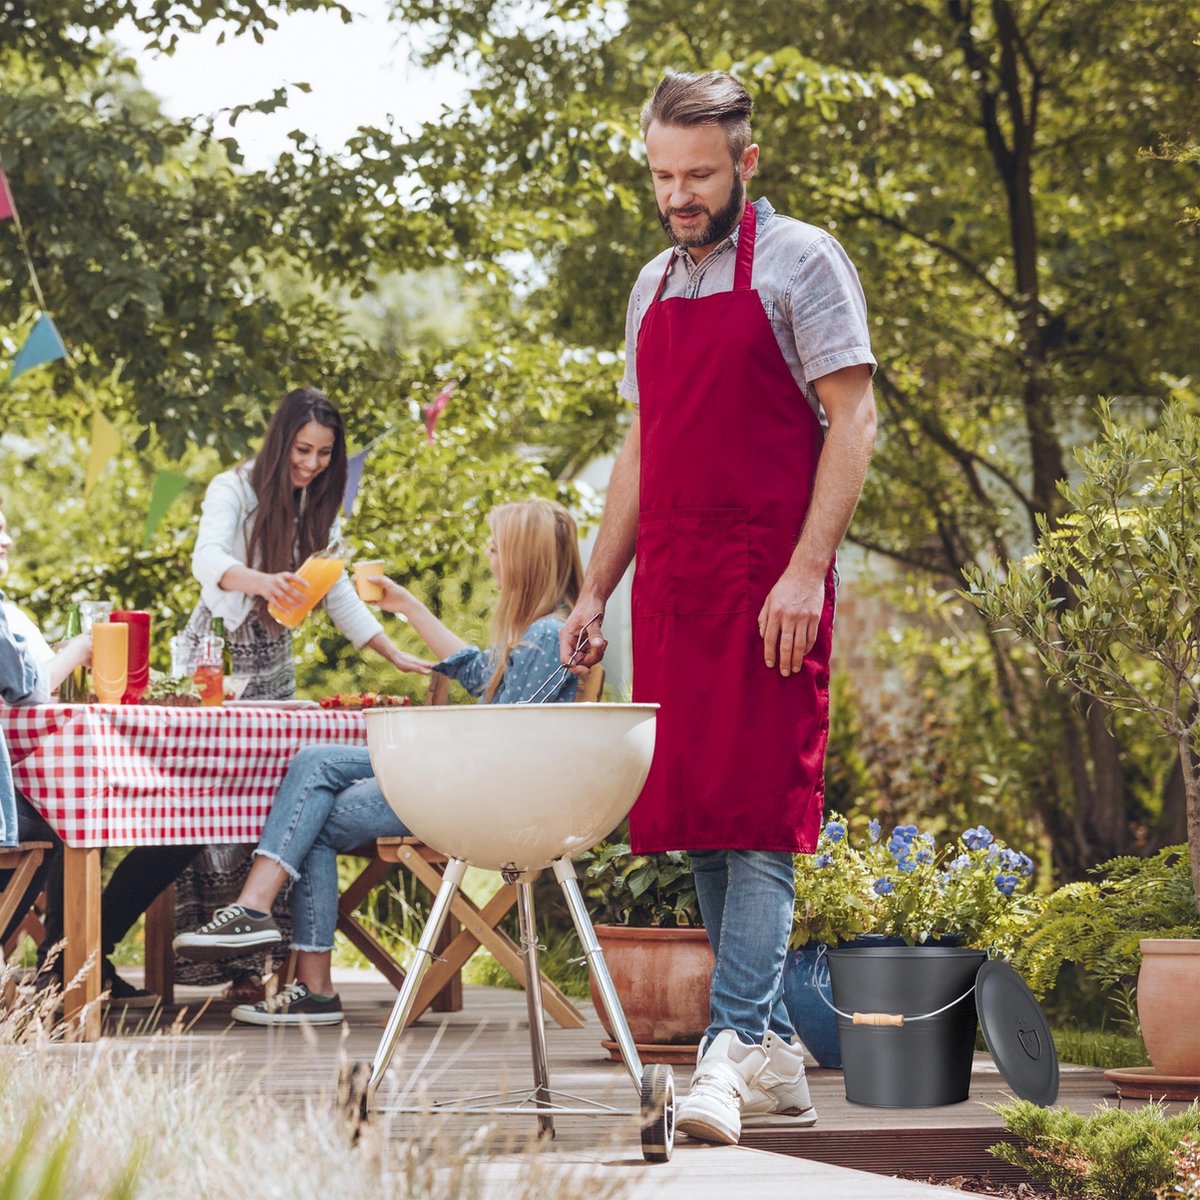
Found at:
(109, 1121)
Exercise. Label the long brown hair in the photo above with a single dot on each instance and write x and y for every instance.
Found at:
(292, 523)
(540, 572)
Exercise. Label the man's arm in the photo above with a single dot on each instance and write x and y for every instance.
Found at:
(613, 552)
(791, 615)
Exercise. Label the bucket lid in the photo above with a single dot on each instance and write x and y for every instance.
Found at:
(1016, 1032)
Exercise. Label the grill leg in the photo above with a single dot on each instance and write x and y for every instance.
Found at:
(456, 868)
(564, 870)
(533, 1000)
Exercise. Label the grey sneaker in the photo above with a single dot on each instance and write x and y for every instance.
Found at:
(293, 1005)
(231, 931)
(779, 1094)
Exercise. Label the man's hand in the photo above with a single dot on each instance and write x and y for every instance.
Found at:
(589, 613)
(790, 619)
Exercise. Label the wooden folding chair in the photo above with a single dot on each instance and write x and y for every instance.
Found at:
(23, 861)
(468, 926)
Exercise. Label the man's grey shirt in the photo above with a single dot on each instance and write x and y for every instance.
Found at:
(809, 289)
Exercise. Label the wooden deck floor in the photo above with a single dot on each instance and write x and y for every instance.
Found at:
(485, 1048)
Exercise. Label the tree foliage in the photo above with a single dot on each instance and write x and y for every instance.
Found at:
(985, 166)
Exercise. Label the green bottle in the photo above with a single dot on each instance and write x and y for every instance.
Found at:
(218, 631)
(74, 689)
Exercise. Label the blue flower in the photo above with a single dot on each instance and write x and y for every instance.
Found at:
(908, 832)
(906, 864)
(883, 887)
(924, 855)
(835, 831)
(1006, 884)
(873, 830)
(961, 863)
(822, 861)
(1009, 859)
(978, 838)
(1025, 868)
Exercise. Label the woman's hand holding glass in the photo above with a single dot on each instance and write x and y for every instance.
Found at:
(395, 599)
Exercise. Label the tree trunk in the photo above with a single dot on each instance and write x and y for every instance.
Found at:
(1191, 788)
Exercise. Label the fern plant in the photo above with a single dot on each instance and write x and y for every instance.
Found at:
(1112, 1154)
(1100, 924)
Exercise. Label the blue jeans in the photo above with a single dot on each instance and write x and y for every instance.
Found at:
(328, 804)
(746, 900)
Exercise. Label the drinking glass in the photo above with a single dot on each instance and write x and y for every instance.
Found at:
(91, 611)
(139, 654)
(110, 660)
(362, 575)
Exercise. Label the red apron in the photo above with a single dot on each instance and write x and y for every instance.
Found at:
(729, 452)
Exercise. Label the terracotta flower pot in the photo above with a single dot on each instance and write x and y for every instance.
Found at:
(662, 977)
(1168, 984)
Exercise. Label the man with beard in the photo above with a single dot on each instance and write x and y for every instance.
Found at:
(748, 356)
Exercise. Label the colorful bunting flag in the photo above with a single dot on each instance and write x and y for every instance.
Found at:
(6, 201)
(168, 485)
(354, 472)
(106, 441)
(43, 345)
(435, 410)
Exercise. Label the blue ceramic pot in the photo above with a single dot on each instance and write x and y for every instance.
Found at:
(805, 982)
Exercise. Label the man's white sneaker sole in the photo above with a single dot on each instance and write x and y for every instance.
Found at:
(775, 1120)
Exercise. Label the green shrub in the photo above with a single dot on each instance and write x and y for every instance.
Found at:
(1099, 924)
(1113, 1154)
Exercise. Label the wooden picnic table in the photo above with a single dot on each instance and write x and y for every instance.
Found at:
(151, 775)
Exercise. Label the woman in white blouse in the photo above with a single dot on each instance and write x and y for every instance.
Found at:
(259, 521)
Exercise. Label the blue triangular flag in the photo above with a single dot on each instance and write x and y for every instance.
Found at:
(43, 345)
(354, 470)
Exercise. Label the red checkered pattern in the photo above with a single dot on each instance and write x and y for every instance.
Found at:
(150, 775)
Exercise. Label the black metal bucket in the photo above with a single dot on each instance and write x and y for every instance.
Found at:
(916, 1047)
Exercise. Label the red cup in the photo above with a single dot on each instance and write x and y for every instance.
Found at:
(139, 654)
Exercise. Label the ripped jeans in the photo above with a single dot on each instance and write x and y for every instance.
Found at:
(328, 804)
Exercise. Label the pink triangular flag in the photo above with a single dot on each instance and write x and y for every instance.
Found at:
(7, 210)
(434, 410)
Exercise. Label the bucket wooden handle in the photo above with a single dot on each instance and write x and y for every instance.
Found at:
(878, 1018)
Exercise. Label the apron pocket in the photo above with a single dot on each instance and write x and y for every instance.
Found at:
(710, 561)
(652, 572)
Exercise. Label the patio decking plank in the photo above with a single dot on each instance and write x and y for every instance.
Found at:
(485, 1047)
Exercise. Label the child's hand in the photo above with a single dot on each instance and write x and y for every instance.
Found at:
(395, 599)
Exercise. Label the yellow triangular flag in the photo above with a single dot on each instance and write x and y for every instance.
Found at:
(106, 441)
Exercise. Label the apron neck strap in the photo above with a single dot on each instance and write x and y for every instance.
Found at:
(744, 269)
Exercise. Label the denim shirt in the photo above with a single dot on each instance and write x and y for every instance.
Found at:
(21, 682)
(530, 665)
(806, 281)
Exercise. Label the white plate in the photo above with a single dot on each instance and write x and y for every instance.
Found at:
(271, 704)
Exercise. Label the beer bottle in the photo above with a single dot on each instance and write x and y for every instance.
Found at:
(74, 689)
(218, 631)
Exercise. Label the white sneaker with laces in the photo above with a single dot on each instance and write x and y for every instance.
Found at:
(779, 1095)
(722, 1083)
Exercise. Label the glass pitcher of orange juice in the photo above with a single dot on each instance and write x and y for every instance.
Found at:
(320, 571)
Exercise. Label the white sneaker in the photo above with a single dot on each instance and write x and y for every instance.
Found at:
(779, 1095)
(711, 1111)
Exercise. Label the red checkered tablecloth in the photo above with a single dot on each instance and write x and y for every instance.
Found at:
(147, 775)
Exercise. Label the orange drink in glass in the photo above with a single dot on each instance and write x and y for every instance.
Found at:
(110, 660)
(320, 571)
(363, 570)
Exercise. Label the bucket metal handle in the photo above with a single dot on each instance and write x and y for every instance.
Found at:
(877, 1018)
